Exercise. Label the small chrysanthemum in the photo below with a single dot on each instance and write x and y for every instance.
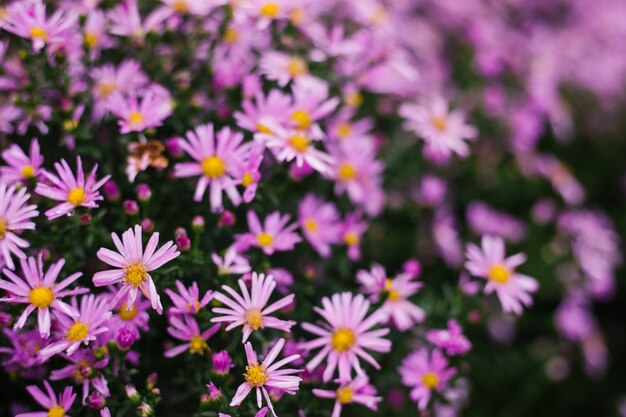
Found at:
(248, 309)
(56, 406)
(21, 167)
(357, 391)
(274, 235)
(231, 263)
(133, 266)
(73, 191)
(187, 300)
(138, 112)
(451, 339)
(15, 216)
(186, 328)
(424, 372)
(319, 221)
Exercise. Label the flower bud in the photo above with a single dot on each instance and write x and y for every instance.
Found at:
(183, 243)
(111, 191)
(95, 400)
(197, 224)
(85, 219)
(131, 207)
(226, 219)
(144, 192)
(126, 336)
(221, 362)
(147, 225)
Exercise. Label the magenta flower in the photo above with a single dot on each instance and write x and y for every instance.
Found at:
(91, 321)
(56, 406)
(346, 336)
(73, 191)
(357, 391)
(424, 372)
(187, 300)
(84, 369)
(186, 328)
(248, 172)
(14, 217)
(273, 236)
(267, 375)
(319, 221)
(231, 263)
(40, 291)
(248, 309)
(310, 104)
(451, 339)
(133, 265)
(216, 156)
(21, 167)
(512, 288)
(138, 112)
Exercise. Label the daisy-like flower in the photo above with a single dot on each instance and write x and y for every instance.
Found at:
(264, 11)
(273, 108)
(352, 229)
(282, 67)
(310, 104)
(187, 300)
(267, 375)
(443, 131)
(83, 329)
(40, 291)
(231, 263)
(73, 191)
(133, 265)
(423, 372)
(346, 336)
(357, 391)
(512, 288)
(108, 79)
(140, 112)
(84, 369)
(451, 339)
(15, 216)
(186, 328)
(319, 221)
(216, 156)
(56, 406)
(191, 7)
(248, 309)
(21, 167)
(273, 236)
(248, 172)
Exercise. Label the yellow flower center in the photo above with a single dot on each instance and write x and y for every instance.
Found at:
(106, 89)
(297, 15)
(180, 6)
(254, 318)
(77, 332)
(56, 411)
(255, 375)
(230, 35)
(196, 306)
(302, 119)
(346, 172)
(270, 10)
(344, 129)
(91, 39)
(38, 32)
(353, 99)
(127, 315)
(393, 295)
(388, 283)
(344, 395)
(263, 129)
(299, 143)
(213, 167)
(296, 67)
(499, 274)
(343, 339)
(4, 226)
(28, 171)
(197, 345)
(135, 273)
(264, 239)
(135, 119)
(310, 225)
(430, 379)
(351, 239)
(70, 125)
(247, 180)
(76, 196)
(41, 297)
(440, 123)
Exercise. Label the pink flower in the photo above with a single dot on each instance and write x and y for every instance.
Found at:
(319, 221)
(273, 236)
(127, 77)
(138, 112)
(282, 68)
(248, 309)
(424, 372)
(352, 230)
(73, 191)
(133, 266)
(512, 288)
(91, 321)
(95, 34)
(358, 391)
(216, 157)
(188, 300)
(40, 291)
(273, 108)
(21, 167)
(192, 7)
(84, 369)
(267, 375)
(56, 406)
(231, 263)
(346, 336)
(186, 328)
(248, 172)
(14, 217)
(310, 104)
(451, 339)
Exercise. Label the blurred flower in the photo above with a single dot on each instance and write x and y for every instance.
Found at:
(56, 406)
(21, 167)
(423, 372)
(358, 391)
(15, 217)
(273, 236)
(186, 328)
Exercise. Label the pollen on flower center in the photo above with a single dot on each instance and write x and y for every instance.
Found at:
(38, 32)
(270, 10)
(430, 379)
(499, 274)
(296, 66)
(343, 339)
(41, 297)
(255, 375)
(247, 180)
(310, 225)
(344, 395)
(264, 239)
(135, 273)
(127, 315)
(197, 345)
(230, 35)
(180, 6)
(440, 123)
(346, 172)
(263, 129)
(135, 118)
(91, 39)
(77, 332)
(393, 295)
(351, 239)
(28, 171)
(213, 167)
(254, 318)
(76, 196)
(106, 89)
(302, 119)
(56, 411)
(4, 226)
(299, 143)
(344, 129)
(194, 308)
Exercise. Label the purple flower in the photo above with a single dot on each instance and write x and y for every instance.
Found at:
(451, 339)
(424, 372)
(21, 167)
(56, 406)
(357, 391)
(319, 221)
(186, 328)
(273, 236)
(187, 300)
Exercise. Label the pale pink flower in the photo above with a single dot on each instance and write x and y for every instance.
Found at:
(274, 235)
(352, 229)
(187, 300)
(319, 221)
(263, 11)
(133, 265)
(56, 406)
(185, 327)
(40, 291)
(424, 372)
(21, 167)
(126, 77)
(346, 336)
(192, 7)
(126, 20)
(357, 391)
(249, 309)
(310, 104)
(267, 375)
(231, 263)
(451, 339)
(273, 108)
(138, 112)
(282, 67)
(15, 217)
(95, 35)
